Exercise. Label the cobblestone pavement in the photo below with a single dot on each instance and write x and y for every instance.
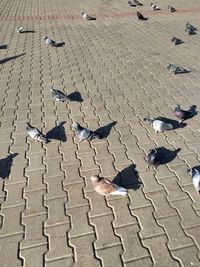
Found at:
(49, 213)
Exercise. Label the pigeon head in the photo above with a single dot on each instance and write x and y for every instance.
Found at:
(45, 37)
(75, 126)
(193, 172)
(28, 126)
(149, 119)
(82, 13)
(94, 178)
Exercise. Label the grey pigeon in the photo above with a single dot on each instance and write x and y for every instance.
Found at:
(188, 25)
(105, 187)
(137, 3)
(195, 178)
(131, 4)
(175, 40)
(58, 95)
(50, 42)
(158, 124)
(190, 29)
(19, 29)
(154, 7)
(171, 9)
(85, 133)
(173, 69)
(36, 134)
(182, 114)
(153, 159)
(86, 16)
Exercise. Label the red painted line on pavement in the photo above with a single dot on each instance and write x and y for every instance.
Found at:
(98, 15)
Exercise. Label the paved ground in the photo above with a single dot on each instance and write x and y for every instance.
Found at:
(49, 214)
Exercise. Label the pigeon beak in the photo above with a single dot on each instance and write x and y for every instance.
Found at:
(188, 170)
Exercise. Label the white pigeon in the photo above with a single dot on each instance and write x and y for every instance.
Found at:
(105, 187)
(159, 125)
(195, 178)
(49, 41)
(36, 133)
(19, 29)
(58, 95)
(154, 7)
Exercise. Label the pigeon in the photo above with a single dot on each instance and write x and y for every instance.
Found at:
(188, 25)
(195, 178)
(105, 187)
(50, 42)
(85, 133)
(86, 16)
(175, 41)
(158, 124)
(181, 114)
(153, 158)
(154, 7)
(171, 9)
(137, 3)
(36, 134)
(140, 16)
(173, 69)
(19, 29)
(189, 31)
(58, 95)
(131, 4)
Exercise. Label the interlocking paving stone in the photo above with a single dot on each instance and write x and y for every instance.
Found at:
(49, 212)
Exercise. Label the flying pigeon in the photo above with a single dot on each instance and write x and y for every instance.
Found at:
(131, 4)
(137, 3)
(154, 7)
(84, 133)
(105, 187)
(152, 159)
(173, 69)
(140, 16)
(195, 178)
(19, 29)
(50, 42)
(171, 9)
(36, 134)
(158, 124)
(181, 114)
(86, 16)
(58, 95)
(175, 41)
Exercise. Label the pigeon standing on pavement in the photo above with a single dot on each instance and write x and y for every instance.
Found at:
(181, 114)
(175, 40)
(195, 178)
(152, 159)
(105, 187)
(19, 29)
(154, 7)
(171, 9)
(50, 42)
(85, 133)
(140, 16)
(131, 4)
(173, 69)
(137, 3)
(58, 95)
(86, 16)
(36, 133)
(190, 29)
(158, 124)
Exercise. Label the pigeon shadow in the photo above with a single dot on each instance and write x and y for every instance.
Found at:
(182, 71)
(75, 96)
(105, 130)
(5, 165)
(3, 61)
(175, 124)
(179, 42)
(3, 46)
(60, 44)
(57, 133)
(167, 155)
(92, 18)
(27, 31)
(128, 178)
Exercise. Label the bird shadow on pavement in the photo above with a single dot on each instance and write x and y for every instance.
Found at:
(27, 31)
(128, 178)
(75, 96)
(58, 132)
(174, 123)
(105, 130)
(3, 46)
(4, 60)
(167, 155)
(6, 164)
(60, 44)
